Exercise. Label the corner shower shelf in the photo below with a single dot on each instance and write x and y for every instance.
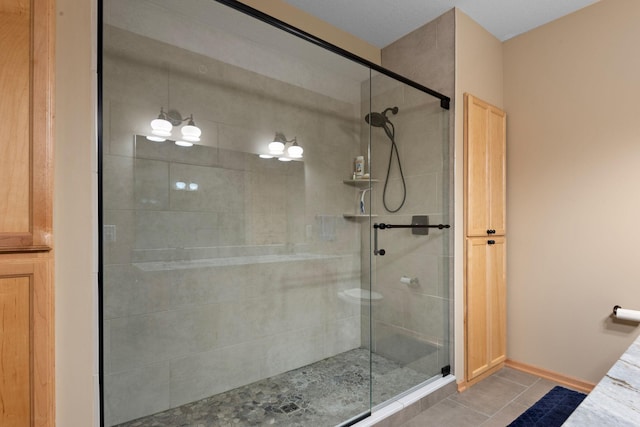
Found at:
(364, 182)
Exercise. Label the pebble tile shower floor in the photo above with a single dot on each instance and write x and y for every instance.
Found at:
(324, 393)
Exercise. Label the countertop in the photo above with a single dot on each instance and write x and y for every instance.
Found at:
(615, 400)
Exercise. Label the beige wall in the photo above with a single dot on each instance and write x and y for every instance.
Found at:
(75, 216)
(571, 92)
(479, 72)
(312, 25)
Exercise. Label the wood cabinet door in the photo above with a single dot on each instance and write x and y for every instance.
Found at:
(484, 158)
(485, 304)
(26, 341)
(26, 109)
(497, 169)
(476, 308)
(497, 299)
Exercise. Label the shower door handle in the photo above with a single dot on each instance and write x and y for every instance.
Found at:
(383, 226)
(377, 251)
(419, 225)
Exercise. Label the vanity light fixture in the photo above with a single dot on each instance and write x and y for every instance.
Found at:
(280, 145)
(162, 126)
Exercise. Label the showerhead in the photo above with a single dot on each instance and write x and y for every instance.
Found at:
(376, 119)
(379, 120)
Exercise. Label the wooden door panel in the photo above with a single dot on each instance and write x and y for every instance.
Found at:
(496, 278)
(26, 108)
(485, 171)
(477, 327)
(15, 349)
(497, 170)
(15, 42)
(476, 164)
(26, 340)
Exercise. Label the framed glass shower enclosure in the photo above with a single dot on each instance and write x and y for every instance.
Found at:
(274, 213)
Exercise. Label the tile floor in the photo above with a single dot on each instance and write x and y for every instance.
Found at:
(494, 402)
(324, 393)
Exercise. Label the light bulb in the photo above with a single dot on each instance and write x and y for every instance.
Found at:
(193, 186)
(161, 127)
(191, 133)
(184, 143)
(180, 185)
(284, 159)
(276, 147)
(265, 156)
(295, 151)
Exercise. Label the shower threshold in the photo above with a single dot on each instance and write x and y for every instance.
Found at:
(325, 393)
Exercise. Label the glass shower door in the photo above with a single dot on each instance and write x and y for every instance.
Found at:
(411, 238)
(231, 269)
(239, 283)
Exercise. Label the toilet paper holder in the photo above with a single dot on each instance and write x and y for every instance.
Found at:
(625, 314)
(411, 281)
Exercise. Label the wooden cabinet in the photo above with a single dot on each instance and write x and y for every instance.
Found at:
(26, 340)
(485, 268)
(26, 158)
(486, 304)
(26, 109)
(485, 183)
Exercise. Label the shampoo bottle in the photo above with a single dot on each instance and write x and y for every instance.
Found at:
(359, 167)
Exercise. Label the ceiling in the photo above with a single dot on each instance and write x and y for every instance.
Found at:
(381, 22)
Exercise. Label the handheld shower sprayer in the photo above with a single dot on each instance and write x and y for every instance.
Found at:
(381, 120)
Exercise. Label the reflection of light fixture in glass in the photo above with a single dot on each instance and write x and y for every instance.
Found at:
(162, 126)
(191, 132)
(192, 186)
(277, 148)
(295, 151)
(156, 138)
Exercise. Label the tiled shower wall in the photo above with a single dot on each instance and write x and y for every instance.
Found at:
(412, 324)
(241, 279)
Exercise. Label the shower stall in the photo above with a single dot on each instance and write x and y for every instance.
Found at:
(252, 272)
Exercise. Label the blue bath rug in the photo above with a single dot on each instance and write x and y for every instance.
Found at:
(552, 410)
